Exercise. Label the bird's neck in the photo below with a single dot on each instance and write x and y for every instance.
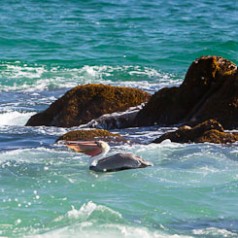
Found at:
(94, 159)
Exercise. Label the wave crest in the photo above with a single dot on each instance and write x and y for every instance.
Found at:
(30, 77)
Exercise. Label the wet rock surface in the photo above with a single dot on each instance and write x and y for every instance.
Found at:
(209, 131)
(209, 90)
(92, 134)
(86, 102)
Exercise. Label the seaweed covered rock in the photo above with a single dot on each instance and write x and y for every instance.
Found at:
(209, 90)
(209, 131)
(218, 137)
(86, 102)
(91, 134)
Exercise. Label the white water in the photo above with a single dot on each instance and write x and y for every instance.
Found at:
(11, 118)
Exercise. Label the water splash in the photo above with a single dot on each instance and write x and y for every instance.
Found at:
(14, 118)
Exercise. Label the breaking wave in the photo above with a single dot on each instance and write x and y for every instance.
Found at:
(30, 77)
(14, 118)
(91, 220)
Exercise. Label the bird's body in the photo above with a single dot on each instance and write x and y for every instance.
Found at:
(99, 163)
(119, 161)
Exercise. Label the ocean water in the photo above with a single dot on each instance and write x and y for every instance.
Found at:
(46, 48)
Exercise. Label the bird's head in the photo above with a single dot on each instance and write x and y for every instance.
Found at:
(92, 148)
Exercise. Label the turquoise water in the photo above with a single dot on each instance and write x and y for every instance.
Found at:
(46, 48)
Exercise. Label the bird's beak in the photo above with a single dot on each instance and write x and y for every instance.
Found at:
(87, 147)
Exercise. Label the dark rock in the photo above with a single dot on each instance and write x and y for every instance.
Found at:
(218, 137)
(86, 102)
(209, 131)
(92, 134)
(209, 90)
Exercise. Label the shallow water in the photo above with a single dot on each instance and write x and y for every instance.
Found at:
(47, 48)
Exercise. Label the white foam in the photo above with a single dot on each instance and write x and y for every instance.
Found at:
(14, 118)
(102, 71)
(88, 209)
(26, 71)
(166, 142)
(91, 230)
(85, 211)
(40, 77)
(213, 231)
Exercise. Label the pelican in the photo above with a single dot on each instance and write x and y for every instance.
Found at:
(98, 149)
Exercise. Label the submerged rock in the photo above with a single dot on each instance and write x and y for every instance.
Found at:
(209, 90)
(209, 131)
(86, 102)
(92, 134)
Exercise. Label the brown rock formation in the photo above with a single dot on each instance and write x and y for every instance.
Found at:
(218, 137)
(209, 90)
(86, 102)
(209, 131)
(93, 134)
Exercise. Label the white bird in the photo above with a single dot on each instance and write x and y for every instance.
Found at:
(98, 149)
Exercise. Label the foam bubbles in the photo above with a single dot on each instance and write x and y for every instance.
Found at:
(14, 118)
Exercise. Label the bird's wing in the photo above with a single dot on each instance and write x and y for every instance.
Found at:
(117, 162)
